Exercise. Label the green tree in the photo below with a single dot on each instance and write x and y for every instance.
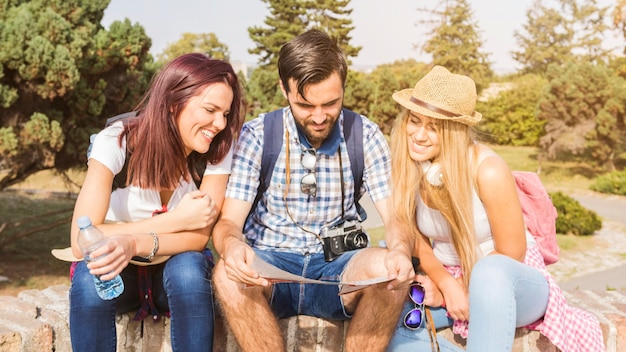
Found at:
(287, 19)
(455, 42)
(584, 108)
(382, 109)
(509, 117)
(358, 92)
(573, 31)
(206, 43)
(370, 93)
(333, 17)
(619, 18)
(60, 71)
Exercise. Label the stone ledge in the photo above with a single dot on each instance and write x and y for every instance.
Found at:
(38, 321)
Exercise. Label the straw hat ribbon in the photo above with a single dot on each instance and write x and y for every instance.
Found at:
(442, 95)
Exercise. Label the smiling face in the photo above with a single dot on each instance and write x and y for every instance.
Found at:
(204, 117)
(316, 114)
(422, 137)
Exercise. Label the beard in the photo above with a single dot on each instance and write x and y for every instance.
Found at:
(316, 134)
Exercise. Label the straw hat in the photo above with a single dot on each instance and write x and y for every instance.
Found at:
(442, 95)
(66, 254)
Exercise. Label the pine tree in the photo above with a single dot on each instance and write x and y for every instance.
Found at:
(455, 41)
(570, 32)
(287, 19)
(332, 16)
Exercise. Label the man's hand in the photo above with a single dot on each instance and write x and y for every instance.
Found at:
(238, 258)
(400, 270)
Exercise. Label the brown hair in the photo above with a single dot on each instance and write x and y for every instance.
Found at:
(158, 158)
(310, 58)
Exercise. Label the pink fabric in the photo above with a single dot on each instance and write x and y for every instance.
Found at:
(539, 213)
(569, 328)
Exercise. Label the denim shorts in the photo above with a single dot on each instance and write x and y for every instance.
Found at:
(322, 301)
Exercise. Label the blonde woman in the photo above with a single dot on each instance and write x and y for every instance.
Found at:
(484, 273)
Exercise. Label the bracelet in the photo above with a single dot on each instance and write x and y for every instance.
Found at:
(155, 246)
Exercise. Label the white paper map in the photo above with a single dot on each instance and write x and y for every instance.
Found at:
(276, 275)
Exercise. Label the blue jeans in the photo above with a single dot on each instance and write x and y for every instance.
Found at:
(322, 301)
(503, 294)
(182, 286)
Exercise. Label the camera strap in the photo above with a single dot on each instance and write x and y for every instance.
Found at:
(286, 190)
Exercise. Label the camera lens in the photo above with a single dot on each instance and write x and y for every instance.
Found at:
(356, 240)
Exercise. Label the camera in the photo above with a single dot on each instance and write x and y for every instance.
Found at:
(344, 237)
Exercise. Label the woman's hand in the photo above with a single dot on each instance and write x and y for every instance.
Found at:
(456, 298)
(432, 295)
(112, 257)
(196, 210)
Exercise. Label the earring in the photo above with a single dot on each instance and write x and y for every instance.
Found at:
(432, 172)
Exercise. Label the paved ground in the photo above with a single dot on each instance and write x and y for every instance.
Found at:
(604, 266)
(601, 266)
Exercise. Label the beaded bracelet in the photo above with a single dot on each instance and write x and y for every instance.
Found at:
(155, 246)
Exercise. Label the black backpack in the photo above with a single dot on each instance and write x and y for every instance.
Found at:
(273, 142)
(119, 181)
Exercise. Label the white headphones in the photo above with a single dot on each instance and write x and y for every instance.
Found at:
(432, 172)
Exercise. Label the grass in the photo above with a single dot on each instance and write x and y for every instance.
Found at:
(28, 264)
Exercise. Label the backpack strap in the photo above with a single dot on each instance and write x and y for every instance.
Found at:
(119, 180)
(353, 134)
(273, 142)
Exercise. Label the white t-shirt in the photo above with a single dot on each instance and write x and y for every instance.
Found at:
(133, 203)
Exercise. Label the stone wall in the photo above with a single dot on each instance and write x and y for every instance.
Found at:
(37, 321)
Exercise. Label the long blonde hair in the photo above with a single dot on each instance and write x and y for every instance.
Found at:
(453, 199)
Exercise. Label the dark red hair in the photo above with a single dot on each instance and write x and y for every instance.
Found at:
(158, 157)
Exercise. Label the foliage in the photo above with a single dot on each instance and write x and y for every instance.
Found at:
(455, 42)
(357, 92)
(573, 31)
(370, 93)
(288, 19)
(333, 17)
(583, 106)
(263, 91)
(60, 72)
(619, 18)
(573, 218)
(206, 43)
(509, 117)
(611, 183)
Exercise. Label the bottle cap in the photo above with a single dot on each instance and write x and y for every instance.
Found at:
(83, 222)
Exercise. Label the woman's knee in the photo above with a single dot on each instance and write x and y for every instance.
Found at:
(493, 273)
(83, 292)
(187, 271)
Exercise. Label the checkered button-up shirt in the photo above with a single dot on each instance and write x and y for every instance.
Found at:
(270, 227)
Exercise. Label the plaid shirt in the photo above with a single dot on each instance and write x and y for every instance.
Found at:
(569, 328)
(270, 227)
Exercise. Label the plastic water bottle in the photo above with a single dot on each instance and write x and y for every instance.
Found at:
(91, 238)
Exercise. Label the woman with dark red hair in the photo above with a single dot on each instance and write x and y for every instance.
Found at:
(189, 116)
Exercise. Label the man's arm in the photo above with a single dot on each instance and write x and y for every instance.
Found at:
(400, 246)
(231, 246)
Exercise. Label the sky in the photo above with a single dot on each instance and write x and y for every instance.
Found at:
(387, 30)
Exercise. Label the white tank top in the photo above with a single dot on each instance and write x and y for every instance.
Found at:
(433, 225)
